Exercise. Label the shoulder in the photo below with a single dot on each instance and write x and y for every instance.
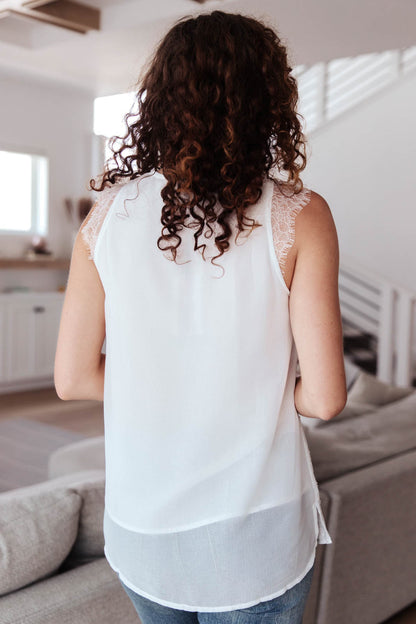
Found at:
(306, 205)
(108, 193)
(104, 199)
(316, 203)
(315, 211)
(285, 201)
(315, 223)
(92, 223)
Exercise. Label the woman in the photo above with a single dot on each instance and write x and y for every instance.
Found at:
(212, 510)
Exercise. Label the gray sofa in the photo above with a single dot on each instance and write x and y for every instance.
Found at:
(51, 543)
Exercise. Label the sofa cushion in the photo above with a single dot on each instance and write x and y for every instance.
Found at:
(356, 442)
(368, 388)
(89, 542)
(85, 454)
(90, 486)
(38, 527)
(90, 594)
(365, 394)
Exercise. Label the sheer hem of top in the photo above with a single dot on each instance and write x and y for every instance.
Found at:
(284, 210)
(92, 225)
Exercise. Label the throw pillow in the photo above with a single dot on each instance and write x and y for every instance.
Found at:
(89, 543)
(388, 430)
(368, 388)
(365, 395)
(37, 530)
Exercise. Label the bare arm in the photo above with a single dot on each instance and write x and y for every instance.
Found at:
(79, 364)
(315, 313)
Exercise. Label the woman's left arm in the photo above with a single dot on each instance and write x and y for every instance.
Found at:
(79, 364)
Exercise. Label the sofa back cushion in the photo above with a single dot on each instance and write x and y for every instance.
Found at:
(367, 388)
(38, 528)
(89, 485)
(89, 543)
(366, 393)
(356, 442)
(46, 525)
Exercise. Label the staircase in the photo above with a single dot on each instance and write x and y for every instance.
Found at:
(379, 317)
(328, 89)
(379, 324)
(360, 347)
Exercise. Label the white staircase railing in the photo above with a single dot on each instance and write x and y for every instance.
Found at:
(385, 310)
(327, 89)
(368, 301)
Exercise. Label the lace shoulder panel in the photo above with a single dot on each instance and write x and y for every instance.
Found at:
(284, 210)
(91, 226)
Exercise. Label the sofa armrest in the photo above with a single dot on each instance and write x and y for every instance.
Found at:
(368, 570)
(85, 454)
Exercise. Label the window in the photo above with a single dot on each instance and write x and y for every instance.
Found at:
(24, 193)
(109, 113)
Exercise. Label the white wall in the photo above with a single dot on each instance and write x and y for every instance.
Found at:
(57, 121)
(364, 165)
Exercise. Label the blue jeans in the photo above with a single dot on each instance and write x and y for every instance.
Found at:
(287, 608)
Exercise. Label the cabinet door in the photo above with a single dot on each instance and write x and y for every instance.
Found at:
(3, 339)
(46, 328)
(21, 340)
(33, 327)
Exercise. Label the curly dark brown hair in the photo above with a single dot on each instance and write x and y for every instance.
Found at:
(216, 111)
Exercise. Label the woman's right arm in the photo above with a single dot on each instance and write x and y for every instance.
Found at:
(315, 314)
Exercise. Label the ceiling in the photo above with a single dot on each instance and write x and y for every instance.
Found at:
(108, 60)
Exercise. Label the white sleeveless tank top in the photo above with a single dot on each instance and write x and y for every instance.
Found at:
(211, 503)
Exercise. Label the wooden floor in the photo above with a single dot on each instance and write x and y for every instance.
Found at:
(86, 418)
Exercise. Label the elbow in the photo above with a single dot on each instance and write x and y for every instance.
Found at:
(62, 389)
(62, 393)
(330, 411)
(60, 379)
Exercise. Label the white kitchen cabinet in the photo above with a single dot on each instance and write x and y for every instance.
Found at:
(29, 325)
(3, 335)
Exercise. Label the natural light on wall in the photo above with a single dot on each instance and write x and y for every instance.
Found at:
(25, 211)
(109, 112)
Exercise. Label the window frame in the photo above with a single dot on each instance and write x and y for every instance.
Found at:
(39, 208)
